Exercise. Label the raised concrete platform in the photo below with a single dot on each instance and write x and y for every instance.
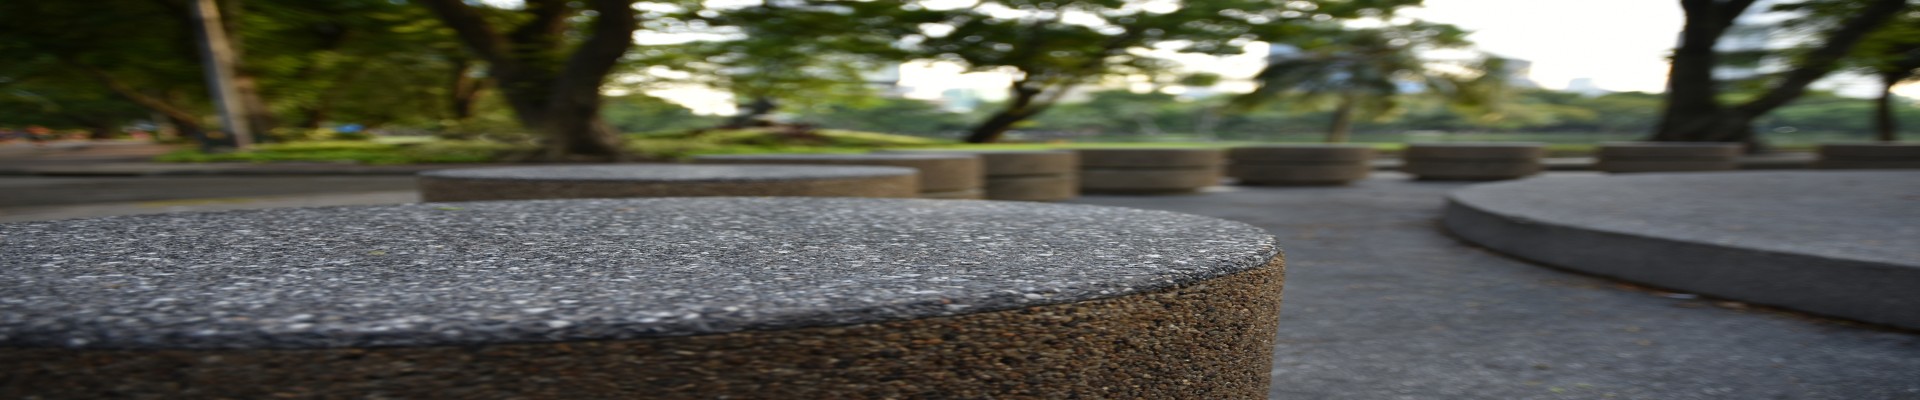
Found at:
(1845, 244)
(658, 180)
(655, 298)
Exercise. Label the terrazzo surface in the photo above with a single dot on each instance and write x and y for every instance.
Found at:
(506, 272)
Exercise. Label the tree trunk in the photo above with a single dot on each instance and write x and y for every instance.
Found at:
(1694, 114)
(761, 105)
(1885, 127)
(554, 94)
(1342, 120)
(1022, 104)
(464, 90)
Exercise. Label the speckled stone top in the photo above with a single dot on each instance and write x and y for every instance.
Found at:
(559, 270)
(670, 172)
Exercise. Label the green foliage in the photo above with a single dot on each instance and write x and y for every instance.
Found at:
(679, 145)
(643, 113)
(891, 115)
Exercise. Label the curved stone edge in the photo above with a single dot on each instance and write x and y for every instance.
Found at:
(1209, 339)
(1868, 291)
(441, 189)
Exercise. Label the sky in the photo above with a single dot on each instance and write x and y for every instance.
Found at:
(1621, 45)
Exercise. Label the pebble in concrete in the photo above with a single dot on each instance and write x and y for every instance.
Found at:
(1024, 175)
(606, 181)
(1624, 157)
(1869, 156)
(1473, 161)
(659, 298)
(1299, 164)
(942, 176)
(1146, 171)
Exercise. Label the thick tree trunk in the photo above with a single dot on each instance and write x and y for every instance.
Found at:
(464, 90)
(1342, 120)
(1024, 102)
(996, 126)
(554, 94)
(1884, 126)
(750, 112)
(1694, 114)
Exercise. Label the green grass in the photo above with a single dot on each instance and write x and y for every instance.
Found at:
(363, 152)
(681, 145)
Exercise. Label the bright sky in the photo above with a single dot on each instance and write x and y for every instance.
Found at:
(1621, 45)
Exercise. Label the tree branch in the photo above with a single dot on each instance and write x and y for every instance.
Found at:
(1822, 60)
(472, 29)
(587, 69)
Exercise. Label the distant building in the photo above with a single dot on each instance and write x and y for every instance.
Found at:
(959, 100)
(1585, 87)
(1520, 74)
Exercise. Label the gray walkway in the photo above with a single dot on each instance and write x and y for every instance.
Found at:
(1381, 305)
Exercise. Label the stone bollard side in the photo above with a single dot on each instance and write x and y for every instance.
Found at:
(1149, 171)
(1299, 164)
(1869, 156)
(942, 176)
(1023, 175)
(1625, 157)
(1473, 161)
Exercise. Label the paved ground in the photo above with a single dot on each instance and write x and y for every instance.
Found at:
(1381, 305)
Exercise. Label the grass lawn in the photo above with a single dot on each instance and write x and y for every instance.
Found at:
(671, 146)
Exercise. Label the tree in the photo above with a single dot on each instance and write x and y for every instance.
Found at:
(552, 83)
(1893, 55)
(1362, 71)
(140, 52)
(781, 53)
(1694, 111)
(1055, 47)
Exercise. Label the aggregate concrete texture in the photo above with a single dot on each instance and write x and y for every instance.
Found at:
(441, 274)
(1381, 305)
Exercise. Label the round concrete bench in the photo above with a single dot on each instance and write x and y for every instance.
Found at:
(1625, 157)
(1132, 171)
(1869, 156)
(1473, 161)
(717, 297)
(1299, 164)
(1023, 175)
(942, 176)
(604, 181)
